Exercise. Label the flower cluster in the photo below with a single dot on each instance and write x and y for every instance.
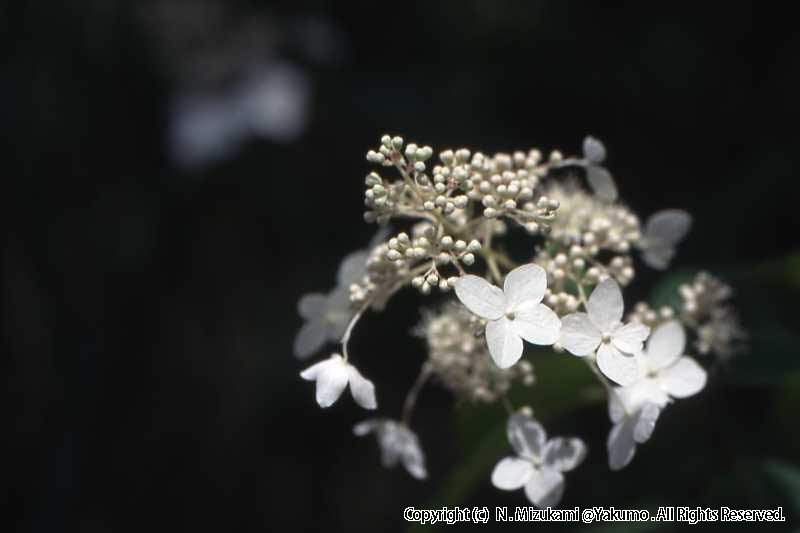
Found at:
(459, 357)
(449, 225)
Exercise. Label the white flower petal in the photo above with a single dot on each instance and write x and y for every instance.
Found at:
(605, 305)
(524, 284)
(536, 323)
(629, 338)
(665, 345)
(545, 488)
(526, 435)
(564, 454)
(366, 427)
(505, 346)
(645, 422)
(311, 305)
(312, 336)
(311, 373)
(511, 473)
(579, 336)
(658, 256)
(414, 459)
(618, 367)
(352, 268)
(669, 226)
(621, 446)
(593, 150)
(683, 379)
(361, 388)
(616, 409)
(481, 297)
(644, 390)
(331, 381)
(338, 312)
(602, 183)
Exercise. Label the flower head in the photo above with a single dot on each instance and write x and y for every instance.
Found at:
(539, 463)
(664, 372)
(333, 375)
(513, 313)
(601, 329)
(398, 444)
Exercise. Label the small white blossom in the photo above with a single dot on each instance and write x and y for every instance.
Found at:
(601, 329)
(398, 444)
(513, 313)
(327, 316)
(662, 232)
(633, 424)
(665, 372)
(333, 375)
(539, 463)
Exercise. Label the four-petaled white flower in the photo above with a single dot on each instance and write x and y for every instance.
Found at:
(333, 375)
(633, 424)
(539, 463)
(327, 316)
(513, 313)
(601, 329)
(664, 372)
(398, 444)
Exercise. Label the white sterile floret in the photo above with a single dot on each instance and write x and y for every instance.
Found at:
(633, 424)
(601, 329)
(664, 372)
(333, 375)
(539, 463)
(326, 315)
(662, 232)
(513, 313)
(599, 178)
(398, 444)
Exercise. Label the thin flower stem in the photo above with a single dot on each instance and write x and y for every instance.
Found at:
(351, 325)
(413, 392)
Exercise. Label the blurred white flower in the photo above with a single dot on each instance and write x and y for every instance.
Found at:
(270, 102)
(539, 463)
(326, 315)
(513, 313)
(398, 444)
(633, 424)
(662, 232)
(600, 180)
(332, 377)
(601, 329)
(665, 372)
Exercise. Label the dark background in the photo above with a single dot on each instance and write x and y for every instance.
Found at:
(149, 295)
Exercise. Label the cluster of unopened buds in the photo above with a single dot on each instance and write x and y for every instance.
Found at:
(451, 220)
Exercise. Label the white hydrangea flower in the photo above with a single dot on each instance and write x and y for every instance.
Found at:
(633, 424)
(513, 313)
(327, 315)
(662, 232)
(539, 463)
(664, 372)
(398, 444)
(333, 375)
(601, 329)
